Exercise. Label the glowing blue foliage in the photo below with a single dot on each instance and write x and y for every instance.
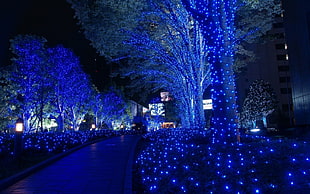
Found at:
(174, 58)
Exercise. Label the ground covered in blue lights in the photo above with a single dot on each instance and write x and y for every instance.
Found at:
(186, 161)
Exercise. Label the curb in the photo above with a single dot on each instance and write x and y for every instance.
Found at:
(127, 188)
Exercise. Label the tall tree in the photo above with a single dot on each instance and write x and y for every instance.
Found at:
(113, 106)
(252, 29)
(217, 21)
(72, 89)
(103, 23)
(97, 106)
(30, 74)
(80, 97)
(8, 102)
(173, 55)
(169, 54)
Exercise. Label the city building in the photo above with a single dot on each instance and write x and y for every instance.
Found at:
(272, 64)
(297, 30)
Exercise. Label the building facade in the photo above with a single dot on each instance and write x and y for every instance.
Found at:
(297, 29)
(272, 65)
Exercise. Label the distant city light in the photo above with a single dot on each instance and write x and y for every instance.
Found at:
(207, 104)
(254, 130)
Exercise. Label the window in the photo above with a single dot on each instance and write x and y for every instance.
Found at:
(280, 46)
(278, 35)
(286, 90)
(286, 106)
(278, 25)
(283, 68)
(282, 57)
(279, 15)
(284, 79)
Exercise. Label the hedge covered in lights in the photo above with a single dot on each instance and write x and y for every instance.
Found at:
(43, 143)
(186, 161)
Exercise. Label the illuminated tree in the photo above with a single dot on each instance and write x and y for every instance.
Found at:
(72, 89)
(30, 75)
(97, 106)
(113, 106)
(217, 19)
(48, 80)
(169, 54)
(222, 39)
(259, 103)
(103, 23)
(8, 102)
(252, 29)
(172, 56)
(80, 94)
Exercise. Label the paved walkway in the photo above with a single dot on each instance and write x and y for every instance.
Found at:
(103, 168)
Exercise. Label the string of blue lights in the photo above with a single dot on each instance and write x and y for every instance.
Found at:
(216, 19)
(186, 161)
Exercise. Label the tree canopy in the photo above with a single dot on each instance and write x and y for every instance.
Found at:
(164, 42)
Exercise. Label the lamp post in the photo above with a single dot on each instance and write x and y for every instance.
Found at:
(19, 129)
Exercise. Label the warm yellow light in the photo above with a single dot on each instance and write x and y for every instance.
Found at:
(19, 127)
(93, 126)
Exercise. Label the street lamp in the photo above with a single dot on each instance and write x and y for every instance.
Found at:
(19, 129)
(93, 126)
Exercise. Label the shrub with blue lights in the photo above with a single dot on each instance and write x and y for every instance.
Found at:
(186, 161)
(53, 143)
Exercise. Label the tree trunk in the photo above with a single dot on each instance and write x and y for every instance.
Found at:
(223, 81)
(218, 30)
(60, 122)
(254, 124)
(199, 112)
(264, 121)
(26, 117)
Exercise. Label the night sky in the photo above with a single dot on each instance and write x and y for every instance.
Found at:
(53, 20)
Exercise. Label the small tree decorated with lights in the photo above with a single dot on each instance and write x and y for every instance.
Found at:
(259, 103)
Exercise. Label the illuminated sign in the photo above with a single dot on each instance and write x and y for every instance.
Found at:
(207, 104)
(157, 109)
(165, 96)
